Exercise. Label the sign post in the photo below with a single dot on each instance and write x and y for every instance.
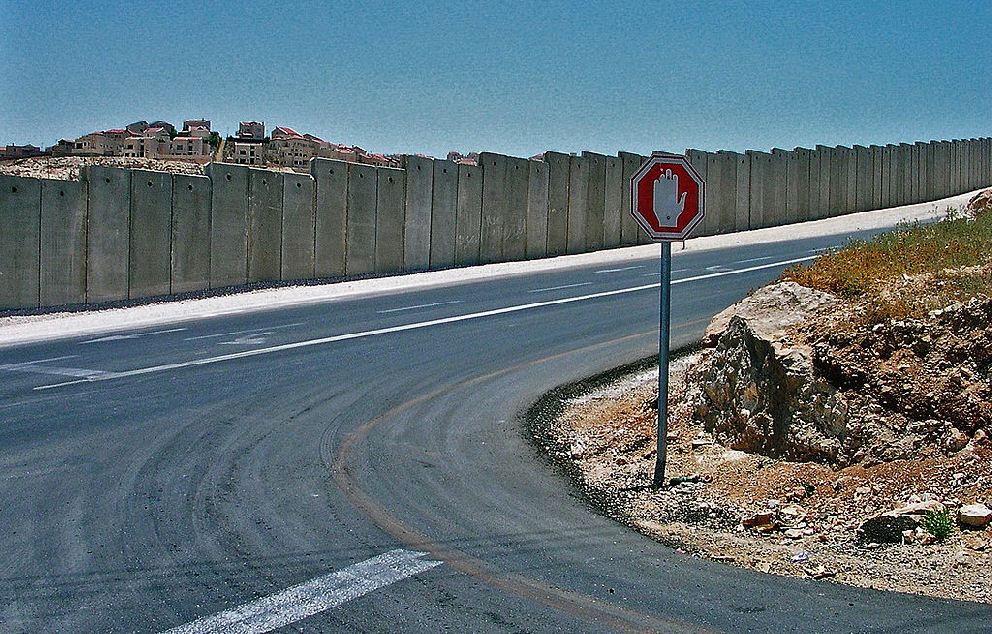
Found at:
(666, 199)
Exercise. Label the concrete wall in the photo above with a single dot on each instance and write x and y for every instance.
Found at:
(120, 234)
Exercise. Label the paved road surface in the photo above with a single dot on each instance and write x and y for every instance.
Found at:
(360, 466)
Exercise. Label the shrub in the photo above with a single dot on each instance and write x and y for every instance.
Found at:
(938, 523)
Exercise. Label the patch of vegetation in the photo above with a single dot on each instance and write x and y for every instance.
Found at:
(954, 254)
(938, 523)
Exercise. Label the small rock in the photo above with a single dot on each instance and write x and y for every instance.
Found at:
(699, 443)
(842, 481)
(820, 572)
(794, 533)
(886, 528)
(975, 515)
(765, 518)
(920, 508)
(955, 440)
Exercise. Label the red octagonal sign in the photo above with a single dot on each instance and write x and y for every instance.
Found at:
(666, 196)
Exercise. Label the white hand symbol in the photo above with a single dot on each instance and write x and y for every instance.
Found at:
(667, 205)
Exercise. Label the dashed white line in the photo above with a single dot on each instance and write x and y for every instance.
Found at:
(414, 326)
(558, 288)
(313, 597)
(625, 268)
(386, 311)
(767, 257)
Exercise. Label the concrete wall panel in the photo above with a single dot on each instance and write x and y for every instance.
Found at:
(297, 226)
(743, 208)
(63, 242)
(715, 195)
(330, 216)
(852, 180)
(515, 222)
(778, 195)
(863, 178)
(825, 158)
(613, 209)
(559, 175)
(265, 192)
(419, 199)
(839, 174)
(800, 156)
(360, 254)
(228, 224)
(20, 241)
(389, 211)
(190, 233)
(726, 196)
(107, 233)
(495, 205)
(789, 212)
(699, 160)
(876, 153)
(468, 218)
(595, 200)
(537, 209)
(150, 246)
(630, 231)
(578, 194)
(760, 177)
(444, 207)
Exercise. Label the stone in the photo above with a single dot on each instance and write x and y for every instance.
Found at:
(765, 518)
(770, 310)
(918, 509)
(886, 529)
(974, 515)
(794, 533)
(955, 440)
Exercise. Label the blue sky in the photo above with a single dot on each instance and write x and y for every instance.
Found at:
(511, 77)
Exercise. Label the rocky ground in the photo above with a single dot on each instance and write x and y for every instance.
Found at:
(67, 168)
(809, 444)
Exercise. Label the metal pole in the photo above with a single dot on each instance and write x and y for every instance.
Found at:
(664, 341)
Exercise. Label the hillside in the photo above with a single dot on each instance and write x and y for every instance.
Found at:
(835, 429)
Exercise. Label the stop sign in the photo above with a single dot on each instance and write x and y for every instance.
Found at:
(666, 196)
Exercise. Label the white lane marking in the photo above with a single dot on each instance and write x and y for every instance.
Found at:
(767, 257)
(133, 335)
(431, 305)
(313, 597)
(558, 288)
(625, 268)
(248, 340)
(110, 338)
(244, 332)
(37, 367)
(414, 326)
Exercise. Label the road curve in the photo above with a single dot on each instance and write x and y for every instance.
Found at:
(361, 466)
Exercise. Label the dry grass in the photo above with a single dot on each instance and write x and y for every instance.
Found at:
(953, 254)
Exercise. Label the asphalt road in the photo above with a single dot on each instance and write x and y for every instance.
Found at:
(362, 466)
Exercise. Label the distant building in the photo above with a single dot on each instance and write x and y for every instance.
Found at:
(20, 151)
(248, 151)
(251, 130)
(106, 143)
(63, 148)
(196, 123)
(472, 158)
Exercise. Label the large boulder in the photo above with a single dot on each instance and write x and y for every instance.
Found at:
(759, 393)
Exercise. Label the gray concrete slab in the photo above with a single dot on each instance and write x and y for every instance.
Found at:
(298, 229)
(190, 233)
(778, 192)
(228, 224)
(852, 180)
(444, 208)
(20, 242)
(760, 164)
(876, 152)
(715, 191)
(330, 216)
(468, 216)
(107, 233)
(595, 200)
(726, 196)
(699, 161)
(864, 172)
(63, 242)
(360, 251)
(915, 173)
(537, 210)
(630, 231)
(559, 177)
(150, 245)
(578, 194)
(888, 176)
(514, 242)
(495, 206)
(800, 157)
(789, 213)
(613, 209)
(417, 214)
(905, 173)
(824, 155)
(265, 192)
(389, 221)
(742, 214)
(839, 174)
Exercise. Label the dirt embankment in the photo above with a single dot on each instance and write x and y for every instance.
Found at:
(855, 501)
